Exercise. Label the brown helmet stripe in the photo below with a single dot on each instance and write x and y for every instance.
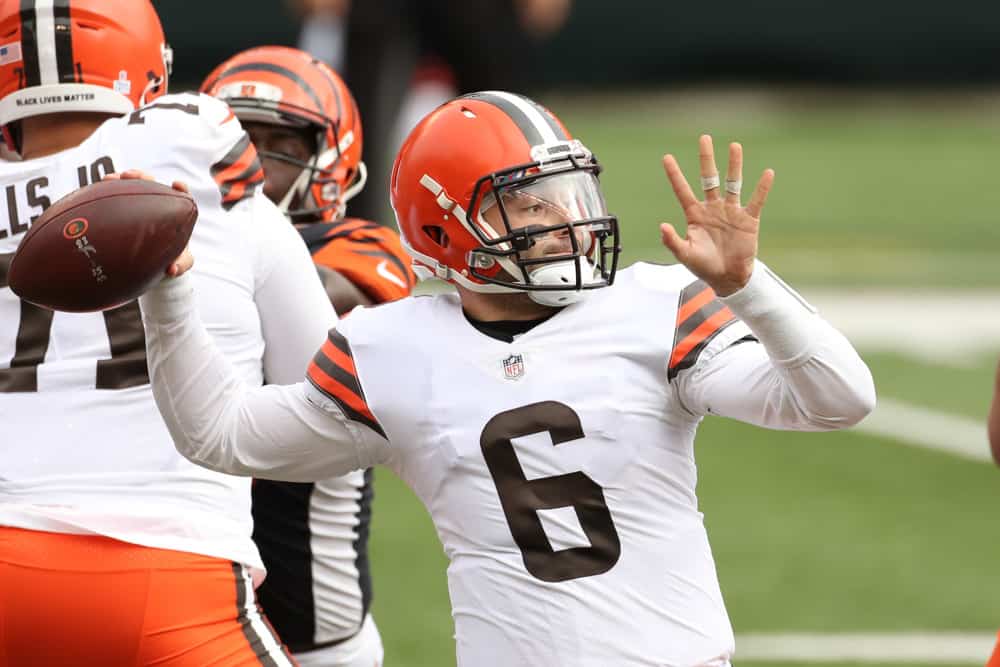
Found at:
(46, 42)
(535, 122)
(64, 41)
(29, 44)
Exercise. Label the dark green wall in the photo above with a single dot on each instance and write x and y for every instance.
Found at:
(203, 33)
(649, 41)
(850, 40)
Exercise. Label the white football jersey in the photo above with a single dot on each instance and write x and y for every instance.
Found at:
(559, 471)
(85, 450)
(558, 468)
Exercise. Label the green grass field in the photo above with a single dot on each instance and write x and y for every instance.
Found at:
(826, 532)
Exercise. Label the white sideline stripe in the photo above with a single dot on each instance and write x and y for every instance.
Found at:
(910, 647)
(923, 427)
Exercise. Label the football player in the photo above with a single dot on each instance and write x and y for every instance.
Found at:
(546, 412)
(115, 550)
(314, 537)
(305, 125)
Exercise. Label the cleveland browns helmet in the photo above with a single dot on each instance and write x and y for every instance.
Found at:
(286, 86)
(498, 149)
(79, 55)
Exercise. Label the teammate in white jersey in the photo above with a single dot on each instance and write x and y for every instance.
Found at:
(551, 436)
(110, 541)
(313, 537)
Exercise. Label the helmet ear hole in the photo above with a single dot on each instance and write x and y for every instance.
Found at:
(437, 234)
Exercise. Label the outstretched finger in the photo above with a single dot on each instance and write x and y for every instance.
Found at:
(673, 241)
(734, 174)
(677, 181)
(709, 172)
(759, 197)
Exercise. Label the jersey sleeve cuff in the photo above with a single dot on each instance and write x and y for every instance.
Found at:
(776, 314)
(170, 299)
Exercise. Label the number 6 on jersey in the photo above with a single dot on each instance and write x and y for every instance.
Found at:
(521, 498)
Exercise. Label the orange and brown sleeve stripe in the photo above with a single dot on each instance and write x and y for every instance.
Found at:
(332, 372)
(700, 318)
(370, 256)
(238, 173)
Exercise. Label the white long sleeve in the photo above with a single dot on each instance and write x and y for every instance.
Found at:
(804, 374)
(274, 432)
(294, 309)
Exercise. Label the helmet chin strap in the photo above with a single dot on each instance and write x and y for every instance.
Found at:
(298, 186)
(358, 184)
(560, 273)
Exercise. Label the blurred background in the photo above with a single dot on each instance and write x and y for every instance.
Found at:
(876, 546)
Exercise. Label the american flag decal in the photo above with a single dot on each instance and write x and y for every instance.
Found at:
(10, 53)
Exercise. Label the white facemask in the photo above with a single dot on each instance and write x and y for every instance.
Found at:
(560, 273)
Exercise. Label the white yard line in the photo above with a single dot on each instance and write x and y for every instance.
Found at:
(884, 648)
(923, 427)
(944, 327)
(955, 327)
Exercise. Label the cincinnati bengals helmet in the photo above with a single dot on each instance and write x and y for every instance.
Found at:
(286, 86)
(486, 150)
(79, 55)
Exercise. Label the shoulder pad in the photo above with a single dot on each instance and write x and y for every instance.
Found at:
(661, 277)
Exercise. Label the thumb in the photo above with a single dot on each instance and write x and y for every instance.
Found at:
(672, 240)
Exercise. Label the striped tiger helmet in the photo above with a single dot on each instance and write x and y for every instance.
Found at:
(79, 55)
(500, 151)
(286, 86)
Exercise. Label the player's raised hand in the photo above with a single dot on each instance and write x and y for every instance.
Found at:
(721, 241)
(185, 260)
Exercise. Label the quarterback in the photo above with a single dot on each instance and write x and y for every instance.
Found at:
(545, 413)
(115, 550)
(313, 537)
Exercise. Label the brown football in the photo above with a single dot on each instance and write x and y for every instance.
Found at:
(102, 246)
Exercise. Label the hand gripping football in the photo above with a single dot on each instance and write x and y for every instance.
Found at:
(102, 246)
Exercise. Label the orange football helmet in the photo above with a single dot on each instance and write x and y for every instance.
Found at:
(490, 149)
(80, 55)
(285, 86)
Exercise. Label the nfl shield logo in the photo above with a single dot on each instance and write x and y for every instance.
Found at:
(122, 84)
(513, 367)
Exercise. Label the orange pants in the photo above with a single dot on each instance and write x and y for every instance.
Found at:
(81, 600)
(995, 660)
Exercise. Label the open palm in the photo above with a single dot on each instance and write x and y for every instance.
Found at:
(721, 241)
